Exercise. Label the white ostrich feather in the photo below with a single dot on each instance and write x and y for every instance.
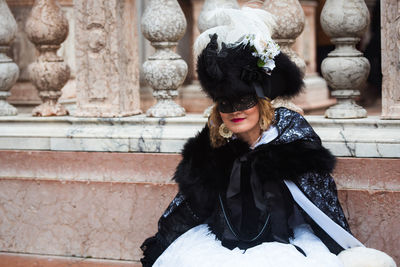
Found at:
(232, 24)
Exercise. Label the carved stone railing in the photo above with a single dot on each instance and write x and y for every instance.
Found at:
(8, 69)
(47, 28)
(163, 24)
(345, 69)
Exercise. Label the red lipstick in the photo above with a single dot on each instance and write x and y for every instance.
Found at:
(237, 120)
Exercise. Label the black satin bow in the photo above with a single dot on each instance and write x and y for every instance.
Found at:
(234, 194)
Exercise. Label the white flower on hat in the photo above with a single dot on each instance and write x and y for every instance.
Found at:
(263, 48)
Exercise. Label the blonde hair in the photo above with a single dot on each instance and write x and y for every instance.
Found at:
(267, 116)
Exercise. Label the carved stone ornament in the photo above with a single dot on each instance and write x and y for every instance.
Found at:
(8, 69)
(47, 28)
(106, 47)
(163, 24)
(290, 21)
(390, 59)
(345, 69)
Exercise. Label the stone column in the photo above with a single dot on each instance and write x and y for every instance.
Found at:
(290, 22)
(345, 69)
(47, 28)
(8, 69)
(390, 36)
(163, 24)
(106, 46)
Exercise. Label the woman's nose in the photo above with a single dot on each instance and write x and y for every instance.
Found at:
(236, 112)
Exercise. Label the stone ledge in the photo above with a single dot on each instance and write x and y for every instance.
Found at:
(111, 220)
(369, 137)
(24, 260)
(158, 168)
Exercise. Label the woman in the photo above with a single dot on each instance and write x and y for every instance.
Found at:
(237, 176)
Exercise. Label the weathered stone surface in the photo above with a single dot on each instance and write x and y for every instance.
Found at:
(89, 166)
(8, 28)
(290, 22)
(345, 75)
(100, 205)
(31, 2)
(85, 219)
(390, 59)
(361, 173)
(163, 21)
(373, 217)
(367, 174)
(315, 94)
(369, 137)
(47, 28)
(107, 59)
(345, 70)
(8, 69)
(47, 24)
(163, 24)
(23, 52)
(344, 18)
(306, 42)
(24, 260)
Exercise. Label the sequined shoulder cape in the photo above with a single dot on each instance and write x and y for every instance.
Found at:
(204, 174)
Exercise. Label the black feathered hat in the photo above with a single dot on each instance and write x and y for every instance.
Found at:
(234, 70)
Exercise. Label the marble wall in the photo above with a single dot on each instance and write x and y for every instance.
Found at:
(390, 11)
(43, 210)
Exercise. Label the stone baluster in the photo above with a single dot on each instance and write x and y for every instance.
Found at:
(8, 69)
(290, 22)
(205, 23)
(47, 28)
(345, 69)
(163, 24)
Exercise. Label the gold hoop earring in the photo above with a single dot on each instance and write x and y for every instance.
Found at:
(224, 131)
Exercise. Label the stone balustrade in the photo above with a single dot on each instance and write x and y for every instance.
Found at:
(345, 69)
(47, 28)
(96, 97)
(163, 23)
(8, 69)
(93, 184)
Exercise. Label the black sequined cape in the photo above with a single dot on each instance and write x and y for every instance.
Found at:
(204, 173)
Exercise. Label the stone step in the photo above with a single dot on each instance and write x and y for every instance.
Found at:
(103, 205)
(31, 260)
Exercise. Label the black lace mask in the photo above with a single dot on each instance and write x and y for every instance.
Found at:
(228, 106)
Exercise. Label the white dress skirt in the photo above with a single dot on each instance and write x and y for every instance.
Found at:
(198, 247)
